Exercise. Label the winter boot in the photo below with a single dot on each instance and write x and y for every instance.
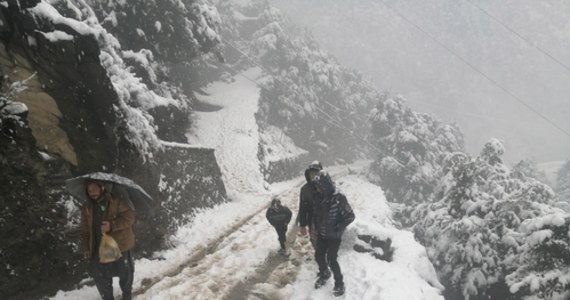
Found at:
(322, 280)
(338, 289)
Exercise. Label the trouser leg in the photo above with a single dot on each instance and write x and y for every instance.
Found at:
(332, 255)
(103, 279)
(126, 270)
(282, 233)
(320, 254)
(313, 242)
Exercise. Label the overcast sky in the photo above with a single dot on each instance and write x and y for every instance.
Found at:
(464, 61)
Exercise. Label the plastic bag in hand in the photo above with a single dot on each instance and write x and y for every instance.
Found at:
(108, 249)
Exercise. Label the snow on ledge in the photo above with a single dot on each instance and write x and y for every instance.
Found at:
(183, 145)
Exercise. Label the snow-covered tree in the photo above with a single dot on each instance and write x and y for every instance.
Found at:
(563, 182)
(529, 168)
(319, 104)
(410, 150)
(544, 260)
(485, 223)
(174, 31)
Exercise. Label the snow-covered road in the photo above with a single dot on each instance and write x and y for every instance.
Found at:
(232, 260)
(229, 251)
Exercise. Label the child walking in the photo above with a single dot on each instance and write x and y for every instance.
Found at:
(279, 217)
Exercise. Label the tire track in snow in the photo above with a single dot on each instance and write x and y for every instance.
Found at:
(216, 273)
(193, 260)
(278, 271)
(227, 257)
(273, 262)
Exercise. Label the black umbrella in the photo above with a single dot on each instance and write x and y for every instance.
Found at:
(118, 185)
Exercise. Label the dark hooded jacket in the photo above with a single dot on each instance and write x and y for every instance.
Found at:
(332, 214)
(278, 215)
(307, 198)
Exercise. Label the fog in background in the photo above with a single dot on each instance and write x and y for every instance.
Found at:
(398, 57)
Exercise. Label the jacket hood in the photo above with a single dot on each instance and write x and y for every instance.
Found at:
(276, 204)
(315, 165)
(324, 182)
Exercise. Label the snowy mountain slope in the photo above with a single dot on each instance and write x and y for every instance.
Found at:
(214, 256)
(371, 37)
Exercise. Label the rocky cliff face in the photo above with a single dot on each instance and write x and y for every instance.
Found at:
(62, 114)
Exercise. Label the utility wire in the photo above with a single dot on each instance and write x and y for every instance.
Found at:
(520, 36)
(331, 120)
(494, 82)
(371, 84)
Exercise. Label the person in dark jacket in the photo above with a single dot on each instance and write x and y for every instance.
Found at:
(101, 213)
(307, 197)
(279, 217)
(331, 217)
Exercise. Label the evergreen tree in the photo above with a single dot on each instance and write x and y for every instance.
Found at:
(304, 91)
(485, 224)
(412, 148)
(563, 182)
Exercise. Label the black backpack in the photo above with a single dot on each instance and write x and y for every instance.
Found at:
(346, 214)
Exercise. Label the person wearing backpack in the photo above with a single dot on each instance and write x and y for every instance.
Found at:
(307, 197)
(279, 217)
(331, 216)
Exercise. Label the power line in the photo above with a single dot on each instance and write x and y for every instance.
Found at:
(330, 119)
(520, 36)
(494, 82)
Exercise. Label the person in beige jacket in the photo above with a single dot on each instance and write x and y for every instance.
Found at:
(101, 213)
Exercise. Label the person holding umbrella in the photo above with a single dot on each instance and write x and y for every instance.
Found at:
(105, 213)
